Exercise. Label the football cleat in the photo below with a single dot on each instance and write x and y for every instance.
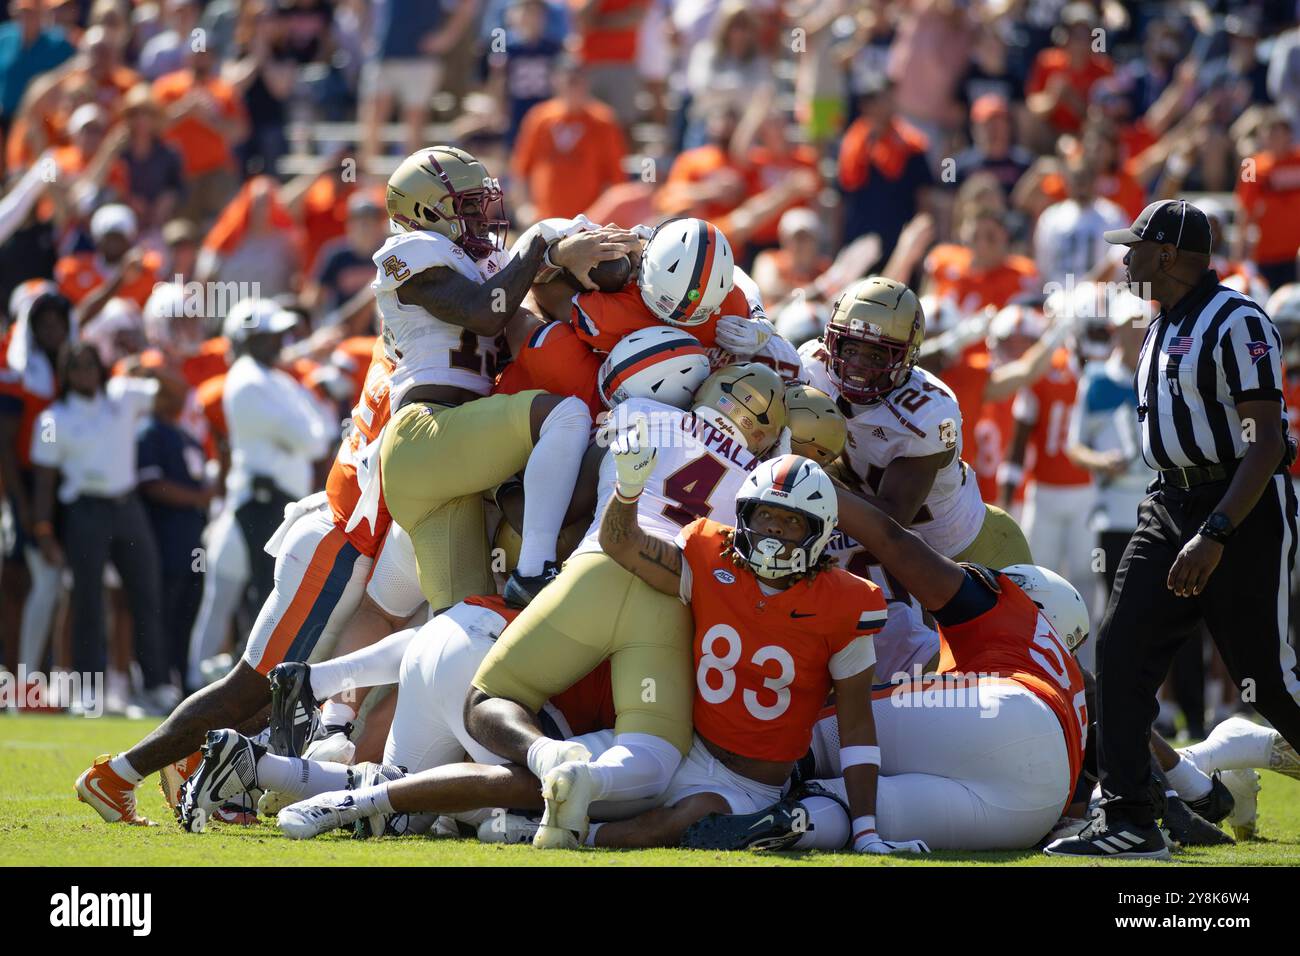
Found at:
(173, 776)
(379, 824)
(108, 794)
(272, 802)
(568, 791)
(508, 828)
(319, 814)
(1185, 827)
(1119, 839)
(520, 590)
(1244, 787)
(1282, 758)
(228, 770)
(333, 743)
(295, 713)
(777, 827)
(1216, 804)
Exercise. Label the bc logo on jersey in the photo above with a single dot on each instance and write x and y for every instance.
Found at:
(396, 268)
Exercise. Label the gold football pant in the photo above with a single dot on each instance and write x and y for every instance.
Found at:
(436, 463)
(1000, 542)
(595, 610)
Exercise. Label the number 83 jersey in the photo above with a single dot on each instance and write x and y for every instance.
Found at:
(918, 419)
(424, 349)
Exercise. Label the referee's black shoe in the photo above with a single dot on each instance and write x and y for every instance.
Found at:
(1115, 839)
(1185, 827)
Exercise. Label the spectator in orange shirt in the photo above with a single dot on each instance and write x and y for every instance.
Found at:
(1100, 145)
(115, 269)
(1057, 90)
(570, 149)
(90, 160)
(102, 55)
(254, 242)
(606, 43)
(1269, 203)
(981, 270)
(204, 121)
(706, 182)
(762, 144)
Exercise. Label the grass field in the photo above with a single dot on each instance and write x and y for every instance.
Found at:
(43, 824)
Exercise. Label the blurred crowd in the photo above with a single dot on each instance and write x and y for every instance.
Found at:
(165, 160)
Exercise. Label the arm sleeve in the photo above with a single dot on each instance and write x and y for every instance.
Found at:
(972, 599)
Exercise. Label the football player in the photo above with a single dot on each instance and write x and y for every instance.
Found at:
(950, 776)
(597, 610)
(777, 627)
(904, 424)
(445, 292)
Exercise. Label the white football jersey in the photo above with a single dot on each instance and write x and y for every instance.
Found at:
(907, 641)
(697, 473)
(426, 350)
(915, 420)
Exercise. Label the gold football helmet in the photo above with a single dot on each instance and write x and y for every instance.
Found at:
(750, 396)
(445, 190)
(886, 317)
(817, 427)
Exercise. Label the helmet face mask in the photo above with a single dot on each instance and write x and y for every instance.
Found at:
(446, 190)
(885, 320)
(782, 487)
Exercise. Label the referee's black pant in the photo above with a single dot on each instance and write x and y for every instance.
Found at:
(1244, 606)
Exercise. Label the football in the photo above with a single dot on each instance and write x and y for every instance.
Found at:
(609, 276)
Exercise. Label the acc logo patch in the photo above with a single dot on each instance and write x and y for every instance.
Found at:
(724, 576)
(396, 268)
(1257, 350)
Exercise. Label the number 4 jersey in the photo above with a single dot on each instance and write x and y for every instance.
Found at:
(765, 663)
(424, 349)
(918, 419)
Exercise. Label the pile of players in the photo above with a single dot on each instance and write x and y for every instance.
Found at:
(754, 599)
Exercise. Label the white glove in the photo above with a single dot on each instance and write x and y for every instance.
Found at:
(872, 843)
(634, 458)
(743, 337)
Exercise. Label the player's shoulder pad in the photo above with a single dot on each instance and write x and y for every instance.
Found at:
(410, 253)
(983, 576)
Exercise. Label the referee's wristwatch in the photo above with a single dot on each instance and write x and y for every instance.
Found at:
(1217, 527)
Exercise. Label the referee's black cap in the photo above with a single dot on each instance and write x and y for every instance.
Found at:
(1175, 221)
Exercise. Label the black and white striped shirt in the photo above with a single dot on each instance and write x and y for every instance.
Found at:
(1214, 349)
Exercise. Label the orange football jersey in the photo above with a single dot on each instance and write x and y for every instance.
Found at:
(555, 360)
(369, 417)
(763, 662)
(1053, 400)
(602, 318)
(1014, 640)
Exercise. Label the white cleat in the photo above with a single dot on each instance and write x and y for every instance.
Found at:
(508, 828)
(319, 814)
(556, 753)
(335, 748)
(1244, 786)
(1283, 759)
(272, 802)
(568, 791)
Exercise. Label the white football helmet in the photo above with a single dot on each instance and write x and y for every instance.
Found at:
(1060, 602)
(662, 363)
(792, 482)
(687, 269)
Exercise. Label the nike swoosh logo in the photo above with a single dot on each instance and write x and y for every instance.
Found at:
(767, 819)
(97, 788)
(797, 614)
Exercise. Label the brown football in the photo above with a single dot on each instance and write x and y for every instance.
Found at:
(609, 276)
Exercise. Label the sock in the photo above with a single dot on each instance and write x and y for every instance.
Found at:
(1189, 782)
(542, 755)
(591, 834)
(122, 767)
(549, 477)
(380, 663)
(1236, 744)
(370, 800)
(637, 766)
(828, 825)
(336, 714)
(300, 778)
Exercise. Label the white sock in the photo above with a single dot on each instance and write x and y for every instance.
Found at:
(828, 825)
(591, 833)
(637, 766)
(122, 767)
(1187, 780)
(300, 778)
(549, 477)
(336, 714)
(1236, 744)
(380, 663)
(374, 799)
(541, 755)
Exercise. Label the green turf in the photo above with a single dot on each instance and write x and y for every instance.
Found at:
(43, 823)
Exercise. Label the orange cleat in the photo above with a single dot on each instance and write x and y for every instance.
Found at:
(110, 796)
(173, 776)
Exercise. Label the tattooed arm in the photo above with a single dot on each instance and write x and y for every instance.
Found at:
(655, 561)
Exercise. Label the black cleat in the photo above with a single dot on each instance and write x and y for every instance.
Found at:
(777, 827)
(520, 591)
(295, 713)
(1215, 805)
(1116, 839)
(1185, 827)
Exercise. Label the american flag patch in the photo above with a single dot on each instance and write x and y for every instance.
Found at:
(873, 620)
(1179, 345)
(1257, 350)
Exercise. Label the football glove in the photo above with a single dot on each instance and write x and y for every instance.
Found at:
(743, 337)
(872, 843)
(634, 458)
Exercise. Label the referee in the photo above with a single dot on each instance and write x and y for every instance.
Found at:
(1216, 540)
